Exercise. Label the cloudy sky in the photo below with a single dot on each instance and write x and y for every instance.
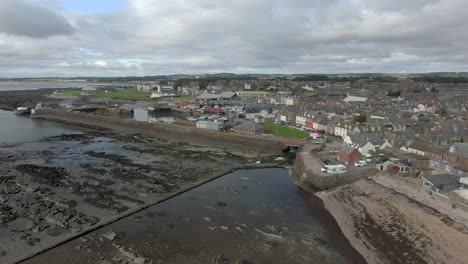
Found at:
(150, 37)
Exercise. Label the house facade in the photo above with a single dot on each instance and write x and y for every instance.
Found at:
(349, 155)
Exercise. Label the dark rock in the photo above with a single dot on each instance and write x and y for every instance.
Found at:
(220, 259)
(245, 261)
(221, 204)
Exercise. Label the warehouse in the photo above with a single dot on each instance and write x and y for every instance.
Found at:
(210, 125)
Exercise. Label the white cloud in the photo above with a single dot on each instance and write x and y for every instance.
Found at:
(101, 63)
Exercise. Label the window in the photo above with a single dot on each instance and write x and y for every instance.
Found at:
(427, 184)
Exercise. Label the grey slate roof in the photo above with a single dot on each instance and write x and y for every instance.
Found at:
(347, 149)
(443, 179)
(460, 149)
(361, 139)
(223, 95)
(250, 126)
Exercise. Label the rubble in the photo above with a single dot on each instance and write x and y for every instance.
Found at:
(220, 259)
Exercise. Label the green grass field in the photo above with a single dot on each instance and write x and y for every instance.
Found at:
(70, 92)
(285, 131)
(133, 94)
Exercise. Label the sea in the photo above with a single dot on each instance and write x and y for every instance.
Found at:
(16, 86)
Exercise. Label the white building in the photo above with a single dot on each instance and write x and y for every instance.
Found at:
(287, 100)
(145, 87)
(266, 114)
(308, 88)
(350, 99)
(301, 120)
(341, 131)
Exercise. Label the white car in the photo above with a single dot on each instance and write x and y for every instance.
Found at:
(324, 168)
(360, 163)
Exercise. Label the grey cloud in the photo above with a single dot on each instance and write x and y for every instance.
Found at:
(326, 36)
(19, 17)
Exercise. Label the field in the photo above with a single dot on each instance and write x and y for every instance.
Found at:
(133, 94)
(70, 92)
(285, 131)
(127, 94)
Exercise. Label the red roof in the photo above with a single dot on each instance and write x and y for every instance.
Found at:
(214, 110)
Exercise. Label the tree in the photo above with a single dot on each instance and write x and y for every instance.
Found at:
(360, 119)
(443, 111)
(312, 77)
(395, 93)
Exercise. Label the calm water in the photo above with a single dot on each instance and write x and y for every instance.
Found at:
(255, 215)
(16, 129)
(14, 86)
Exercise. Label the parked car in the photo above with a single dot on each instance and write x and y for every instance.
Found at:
(336, 169)
(382, 160)
(360, 163)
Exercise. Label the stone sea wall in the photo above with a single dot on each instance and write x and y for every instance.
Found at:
(307, 170)
(250, 145)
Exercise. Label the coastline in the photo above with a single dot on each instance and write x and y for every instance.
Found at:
(335, 238)
(386, 225)
(342, 207)
(246, 145)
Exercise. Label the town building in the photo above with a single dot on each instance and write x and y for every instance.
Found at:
(253, 94)
(349, 155)
(249, 128)
(217, 126)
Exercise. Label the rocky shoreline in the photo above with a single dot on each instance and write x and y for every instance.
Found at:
(61, 187)
(10, 100)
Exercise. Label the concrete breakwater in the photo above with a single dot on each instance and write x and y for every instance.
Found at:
(250, 145)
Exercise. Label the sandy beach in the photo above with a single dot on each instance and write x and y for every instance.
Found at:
(388, 222)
